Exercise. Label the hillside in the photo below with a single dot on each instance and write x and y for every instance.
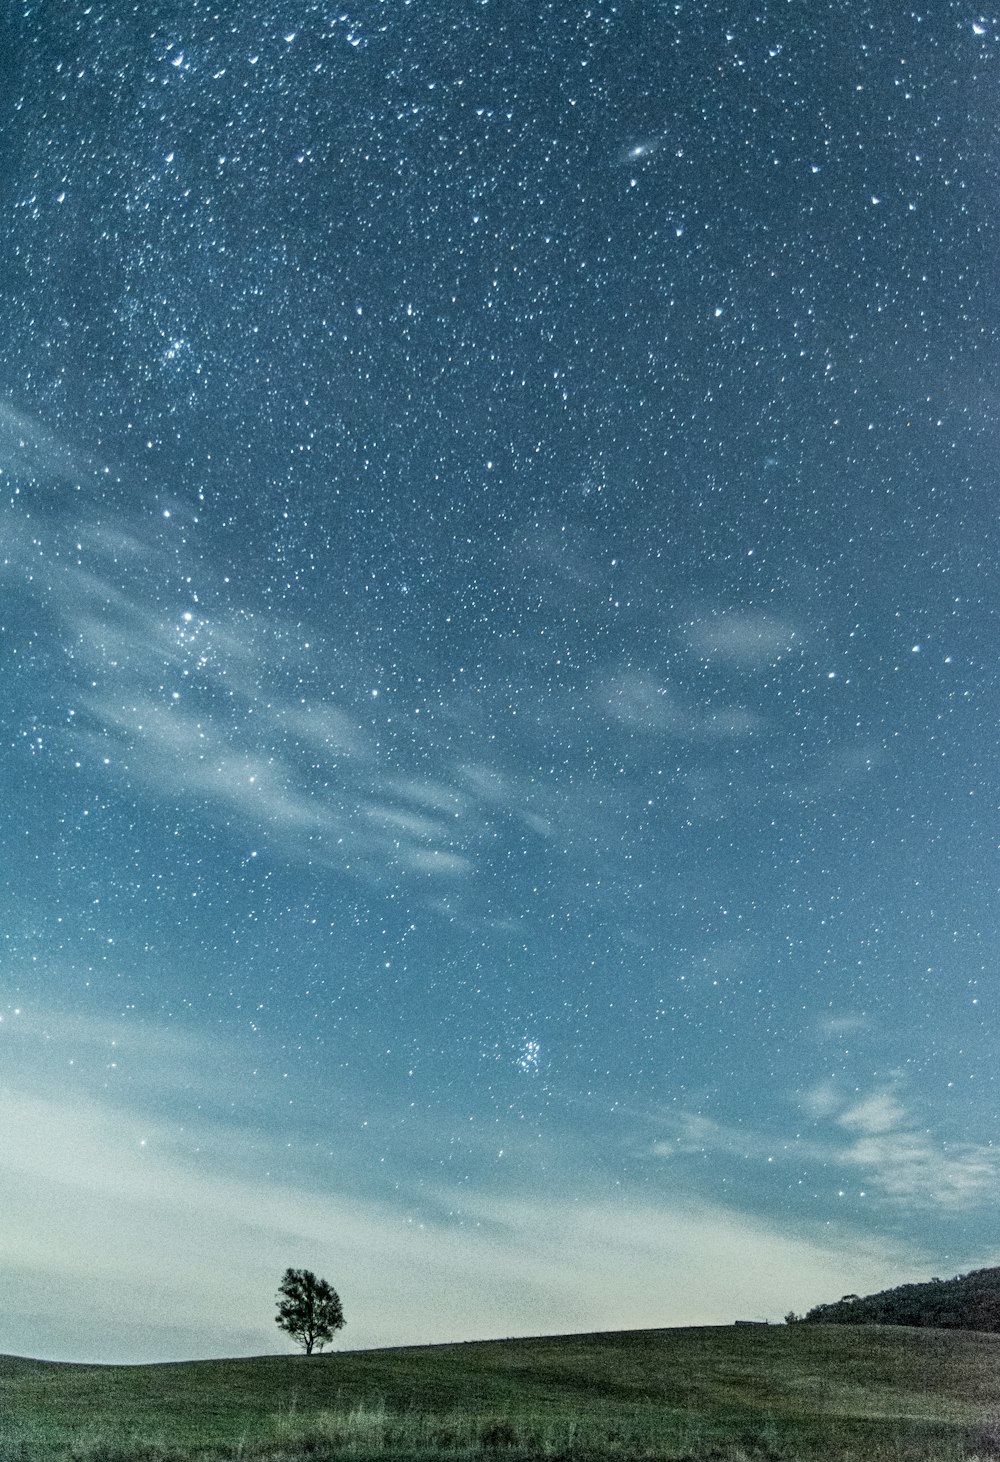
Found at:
(967, 1302)
(782, 1392)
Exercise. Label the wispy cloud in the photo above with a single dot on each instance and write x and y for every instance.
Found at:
(235, 714)
(639, 700)
(693, 1132)
(29, 452)
(744, 639)
(879, 1111)
(270, 726)
(267, 726)
(847, 1023)
(902, 1159)
(876, 1136)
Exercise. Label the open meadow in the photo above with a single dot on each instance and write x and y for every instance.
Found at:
(783, 1392)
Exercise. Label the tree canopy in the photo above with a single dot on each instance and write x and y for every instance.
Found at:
(309, 1309)
(967, 1302)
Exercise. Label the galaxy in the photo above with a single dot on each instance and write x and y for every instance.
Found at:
(498, 527)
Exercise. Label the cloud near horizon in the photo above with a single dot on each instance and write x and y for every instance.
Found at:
(118, 1248)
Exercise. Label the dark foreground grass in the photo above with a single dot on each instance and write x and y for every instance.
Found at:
(833, 1394)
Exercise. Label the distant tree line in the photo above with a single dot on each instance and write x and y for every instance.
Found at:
(967, 1302)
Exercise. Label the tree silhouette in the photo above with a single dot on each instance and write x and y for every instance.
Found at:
(309, 1309)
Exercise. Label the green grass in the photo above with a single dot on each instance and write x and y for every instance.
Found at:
(865, 1394)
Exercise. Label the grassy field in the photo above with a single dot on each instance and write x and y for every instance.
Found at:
(731, 1394)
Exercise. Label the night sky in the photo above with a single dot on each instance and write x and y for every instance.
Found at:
(499, 639)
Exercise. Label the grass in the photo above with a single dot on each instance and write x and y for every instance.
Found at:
(823, 1394)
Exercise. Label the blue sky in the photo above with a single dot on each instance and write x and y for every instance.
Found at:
(499, 628)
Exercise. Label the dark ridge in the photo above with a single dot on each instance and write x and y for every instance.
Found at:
(967, 1302)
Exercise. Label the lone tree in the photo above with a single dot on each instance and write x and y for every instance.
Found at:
(309, 1309)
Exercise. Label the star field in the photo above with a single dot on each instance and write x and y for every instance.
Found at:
(499, 625)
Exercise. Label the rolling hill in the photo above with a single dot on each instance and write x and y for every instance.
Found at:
(799, 1391)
